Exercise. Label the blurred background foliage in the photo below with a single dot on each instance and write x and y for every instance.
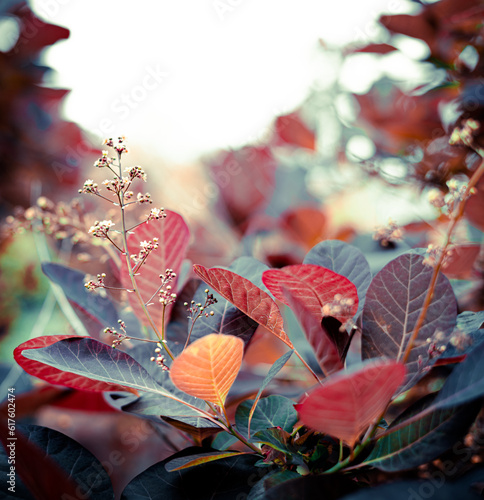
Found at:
(319, 172)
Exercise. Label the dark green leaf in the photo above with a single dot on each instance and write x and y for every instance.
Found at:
(273, 411)
(78, 464)
(423, 440)
(272, 479)
(224, 479)
(99, 309)
(199, 459)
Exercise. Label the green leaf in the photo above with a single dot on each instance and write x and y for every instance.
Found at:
(273, 411)
(272, 479)
(423, 440)
(225, 479)
(275, 438)
(273, 371)
(223, 440)
(201, 458)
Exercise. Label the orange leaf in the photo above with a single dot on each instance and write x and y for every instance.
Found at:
(207, 368)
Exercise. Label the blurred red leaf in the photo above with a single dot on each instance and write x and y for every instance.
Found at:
(474, 209)
(306, 225)
(313, 286)
(375, 48)
(173, 237)
(35, 34)
(290, 129)
(460, 261)
(59, 377)
(249, 298)
(245, 178)
(348, 403)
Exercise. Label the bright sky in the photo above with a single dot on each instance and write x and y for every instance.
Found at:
(184, 77)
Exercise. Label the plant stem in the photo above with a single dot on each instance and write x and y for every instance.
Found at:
(132, 276)
(459, 212)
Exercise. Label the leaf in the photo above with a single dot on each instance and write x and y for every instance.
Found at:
(273, 411)
(343, 259)
(467, 335)
(465, 383)
(324, 348)
(290, 129)
(207, 368)
(277, 439)
(312, 285)
(250, 299)
(84, 363)
(424, 439)
(273, 371)
(173, 237)
(52, 465)
(411, 490)
(460, 261)
(311, 487)
(98, 308)
(393, 303)
(58, 376)
(202, 458)
(272, 479)
(474, 207)
(225, 479)
(246, 179)
(347, 403)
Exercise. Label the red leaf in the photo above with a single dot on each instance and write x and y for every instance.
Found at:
(313, 286)
(375, 48)
(246, 179)
(460, 262)
(249, 298)
(35, 34)
(307, 225)
(58, 377)
(173, 236)
(324, 348)
(290, 129)
(474, 209)
(348, 403)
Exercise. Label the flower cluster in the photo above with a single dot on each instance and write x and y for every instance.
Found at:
(388, 234)
(136, 172)
(159, 359)
(101, 228)
(465, 135)
(116, 185)
(99, 283)
(434, 253)
(119, 147)
(195, 310)
(146, 247)
(89, 187)
(156, 213)
(144, 198)
(166, 296)
(59, 220)
(104, 161)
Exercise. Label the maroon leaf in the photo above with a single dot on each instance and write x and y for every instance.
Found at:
(393, 303)
(56, 376)
(314, 286)
(460, 261)
(347, 403)
(173, 236)
(325, 349)
(249, 298)
(375, 48)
